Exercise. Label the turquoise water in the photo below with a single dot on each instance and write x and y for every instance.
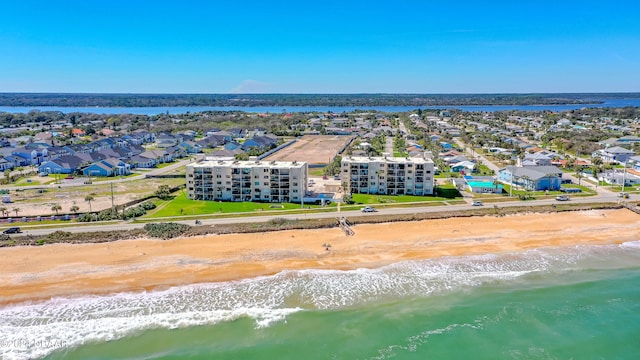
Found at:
(581, 302)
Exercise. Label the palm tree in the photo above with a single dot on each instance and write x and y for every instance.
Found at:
(89, 198)
(56, 208)
(4, 211)
(17, 210)
(597, 161)
(596, 170)
(495, 184)
(74, 209)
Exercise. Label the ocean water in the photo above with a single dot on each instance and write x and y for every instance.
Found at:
(578, 302)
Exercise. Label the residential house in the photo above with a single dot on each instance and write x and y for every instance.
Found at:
(67, 164)
(635, 162)
(463, 167)
(165, 140)
(238, 133)
(107, 167)
(628, 177)
(176, 152)
(232, 145)
(30, 156)
(210, 142)
(191, 147)
(260, 142)
(537, 159)
(225, 153)
(160, 156)
(452, 160)
(614, 154)
(143, 162)
(5, 164)
(259, 131)
(481, 184)
(108, 132)
(140, 137)
(533, 178)
(629, 140)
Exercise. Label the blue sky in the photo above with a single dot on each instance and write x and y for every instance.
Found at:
(401, 46)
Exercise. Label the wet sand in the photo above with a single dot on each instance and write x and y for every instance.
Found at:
(39, 273)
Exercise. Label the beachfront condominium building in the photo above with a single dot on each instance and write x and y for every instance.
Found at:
(387, 175)
(232, 180)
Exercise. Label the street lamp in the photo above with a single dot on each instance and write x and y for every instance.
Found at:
(624, 175)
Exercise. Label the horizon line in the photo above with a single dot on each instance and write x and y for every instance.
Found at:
(293, 93)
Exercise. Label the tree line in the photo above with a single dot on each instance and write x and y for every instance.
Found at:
(248, 100)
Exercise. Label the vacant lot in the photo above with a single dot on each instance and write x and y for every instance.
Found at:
(314, 149)
(33, 202)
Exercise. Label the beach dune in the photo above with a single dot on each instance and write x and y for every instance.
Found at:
(39, 273)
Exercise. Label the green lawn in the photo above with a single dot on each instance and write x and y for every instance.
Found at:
(382, 199)
(316, 171)
(541, 194)
(484, 170)
(107, 178)
(576, 186)
(180, 205)
(24, 182)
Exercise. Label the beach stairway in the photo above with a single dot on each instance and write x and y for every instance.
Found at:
(634, 208)
(345, 226)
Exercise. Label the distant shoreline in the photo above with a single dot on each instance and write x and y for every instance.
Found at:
(305, 100)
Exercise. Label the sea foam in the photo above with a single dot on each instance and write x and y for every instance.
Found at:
(71, 322)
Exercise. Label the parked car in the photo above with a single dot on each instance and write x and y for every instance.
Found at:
(477, 203)
(562, 198)
(367, 209)
(12, 230)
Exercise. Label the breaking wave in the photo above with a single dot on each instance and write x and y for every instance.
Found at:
(71, 322)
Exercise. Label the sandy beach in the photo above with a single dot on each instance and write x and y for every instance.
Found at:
(39, 273)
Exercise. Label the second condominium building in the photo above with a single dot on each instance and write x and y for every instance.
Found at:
(387, 175)
(232, 180)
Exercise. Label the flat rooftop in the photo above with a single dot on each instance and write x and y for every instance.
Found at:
(387, 159)
(248, 164)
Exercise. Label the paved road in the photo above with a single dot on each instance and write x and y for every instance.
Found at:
(403, 128)
(388, 146)
(477, 155)
(122, 226)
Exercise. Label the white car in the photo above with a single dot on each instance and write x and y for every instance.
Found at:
(477, 203)
(368, 209)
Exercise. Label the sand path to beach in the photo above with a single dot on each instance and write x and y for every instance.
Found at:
(38, 273)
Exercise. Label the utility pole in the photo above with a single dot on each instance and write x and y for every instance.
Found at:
(112, 203)
(624, 175)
